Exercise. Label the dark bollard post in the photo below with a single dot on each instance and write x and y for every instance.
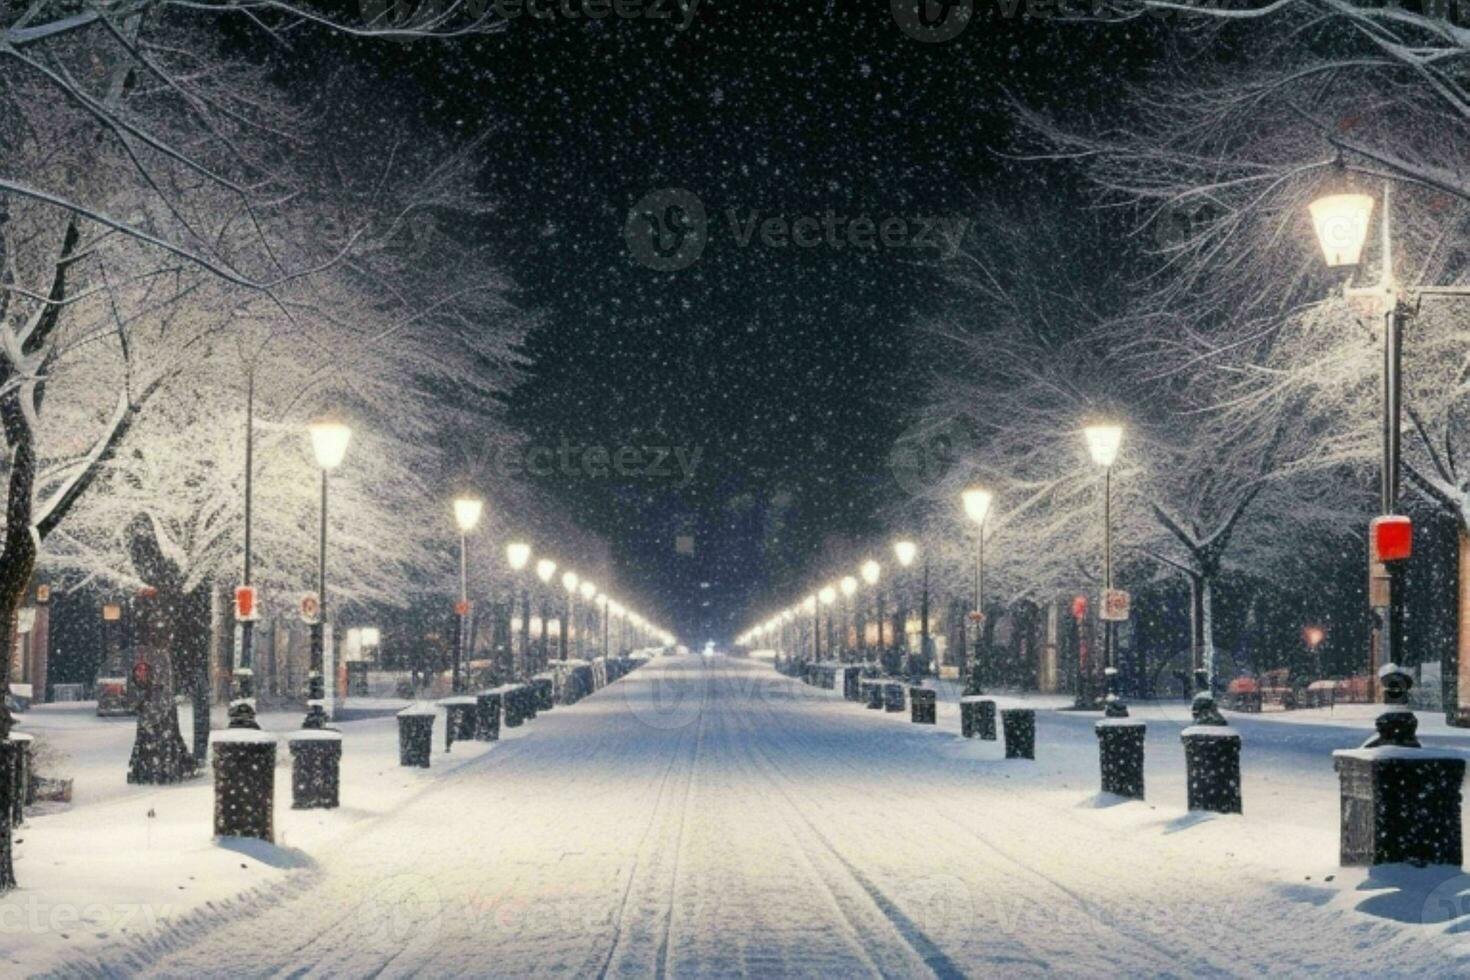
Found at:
(487, 716)
(977, 716)
(923, 706)
(1212, 759)
(1019, 725)
(1120, 749)
(316, 765)
(872, 693)
(244, 783)
(1400, 802)
(852, 676)
(543, 686)
(460, 719)
(514, 704)
(416, 735)
(893, 696)
(21, 792)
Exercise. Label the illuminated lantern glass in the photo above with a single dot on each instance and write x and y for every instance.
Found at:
(467, 513)
(1103, 442)
(977, 504)
(329, 440)
(1341, 222)
(518, 554)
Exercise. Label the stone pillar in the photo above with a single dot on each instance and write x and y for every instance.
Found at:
(923, 707)
(1400, 802)
(316, 761)
(244, 783)
(1212, 759)
(1120, 750)
(1019, 725)
(416, 735)
(977, 717)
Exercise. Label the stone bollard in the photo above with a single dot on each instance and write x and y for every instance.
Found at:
(1211, 759)
(514, 704)
(1120, 750)
(923, 706)
(852, 676)
(460, 718)
(1019, 726)
(872, 693)
(416, 735)
(1400, 802)
(527, 696)
(244, 783)
(21, 791)
(544, 687)
(977, 716)
(316, 766)
(893, 696)
(487, 716)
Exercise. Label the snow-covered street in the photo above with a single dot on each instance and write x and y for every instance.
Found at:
(708, 816)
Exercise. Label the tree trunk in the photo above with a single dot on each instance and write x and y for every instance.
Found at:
(160, 755)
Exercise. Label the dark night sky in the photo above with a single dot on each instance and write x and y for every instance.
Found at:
(786, 367)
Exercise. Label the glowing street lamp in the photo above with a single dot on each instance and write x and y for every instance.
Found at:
(906, 551)
(329, 439)
(317, 753)
(569, 581)
(1103, 443)
(467, 512)
(588, 591)
(545, 569)
(871, 571)
(977, 501)
(1342, 222)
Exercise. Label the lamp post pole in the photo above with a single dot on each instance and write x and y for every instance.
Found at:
(316, 716)
(242, 697)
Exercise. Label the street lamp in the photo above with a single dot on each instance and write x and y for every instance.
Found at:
(329, 439)
(316, 751)
(517, 554)
(809, 605)
(907, 551)
(545, 569)
(870, 572)
(977, 501)
(1103, 442)
(588, 591)
(1342, 222)
(466, 515)
(848, 585)
(568, 582)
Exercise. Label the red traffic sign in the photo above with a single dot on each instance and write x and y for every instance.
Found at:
(977, 617)
(246, 608)
(1079, 607)
(1391, 537)
(311, 608)
(1115, 605)
(462, 608)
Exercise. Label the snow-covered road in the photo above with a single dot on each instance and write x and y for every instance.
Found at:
(711, 817)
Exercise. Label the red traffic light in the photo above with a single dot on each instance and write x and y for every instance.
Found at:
(1391, 537)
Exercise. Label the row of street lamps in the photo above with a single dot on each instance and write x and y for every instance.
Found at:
(1103, 441)
(518, 554)
(870, 572)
